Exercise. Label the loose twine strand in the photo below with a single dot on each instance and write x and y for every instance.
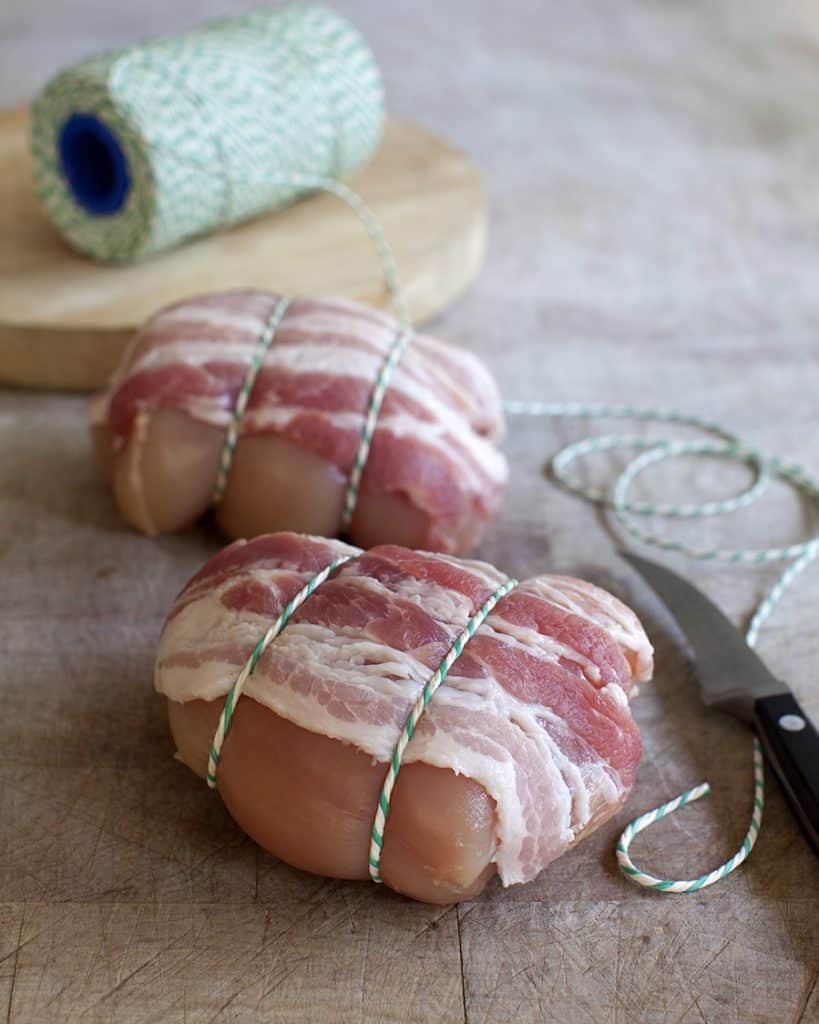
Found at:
(404, 336)
(720, 443)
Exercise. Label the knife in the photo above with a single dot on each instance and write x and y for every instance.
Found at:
(733, 678)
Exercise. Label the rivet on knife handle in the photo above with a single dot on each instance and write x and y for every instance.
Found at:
(792, 746)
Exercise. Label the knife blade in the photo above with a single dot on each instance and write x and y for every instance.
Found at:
(734, 678)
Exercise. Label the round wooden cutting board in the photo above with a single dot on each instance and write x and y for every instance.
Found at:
(65, 319)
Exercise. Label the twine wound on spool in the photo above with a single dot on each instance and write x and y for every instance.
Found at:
(137, 150)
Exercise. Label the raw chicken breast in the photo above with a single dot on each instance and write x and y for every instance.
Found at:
(433, 477)
(527, 746)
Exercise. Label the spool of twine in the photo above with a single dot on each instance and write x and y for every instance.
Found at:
(136, 150)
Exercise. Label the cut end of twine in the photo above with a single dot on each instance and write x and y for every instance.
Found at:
(665, 885)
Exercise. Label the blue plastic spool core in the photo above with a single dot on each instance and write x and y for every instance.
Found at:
(94, 164)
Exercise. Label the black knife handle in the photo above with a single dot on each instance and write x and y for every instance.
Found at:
(791, 745)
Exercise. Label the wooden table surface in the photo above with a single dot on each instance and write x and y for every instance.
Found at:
(653, 173)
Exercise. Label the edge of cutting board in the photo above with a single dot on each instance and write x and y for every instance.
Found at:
(64, 320)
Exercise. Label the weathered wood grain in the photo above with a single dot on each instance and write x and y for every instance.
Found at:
(653, 175)
(330, 955)
(11, 922)
(624, 961)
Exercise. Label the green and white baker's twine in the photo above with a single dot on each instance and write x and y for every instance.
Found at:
(693, 884)
(270, 635)
(213, 127)
(396, 350)
(256, 363)
(420, 706)
(404, 332)
(404, 335)
(721, 444)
